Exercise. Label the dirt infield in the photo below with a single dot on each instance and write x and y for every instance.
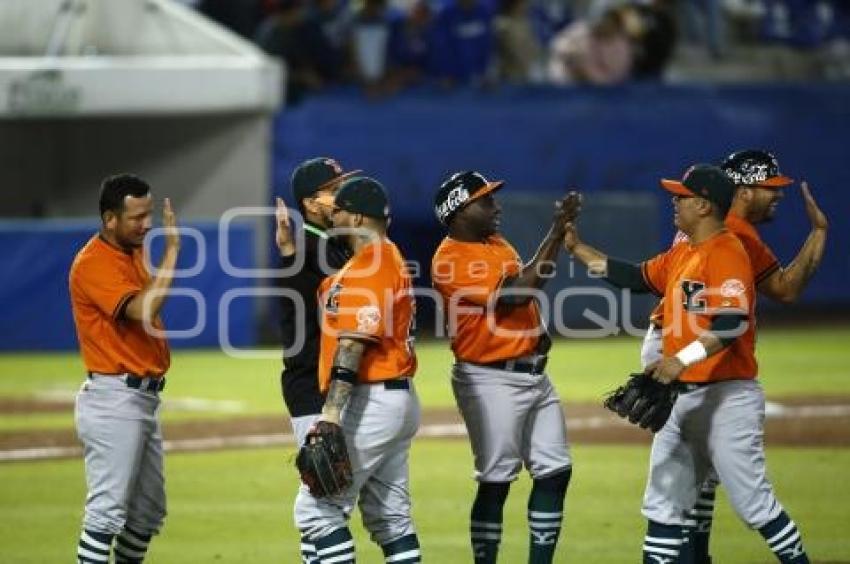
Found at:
(813, 421)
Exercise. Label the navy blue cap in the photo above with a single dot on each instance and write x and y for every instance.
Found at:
(704, 181)
(361, 194)
(314, 174)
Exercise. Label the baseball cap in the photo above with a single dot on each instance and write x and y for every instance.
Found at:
(459, 190)
(704, 181)
(314, 174)
(754, 167)
(361, 194)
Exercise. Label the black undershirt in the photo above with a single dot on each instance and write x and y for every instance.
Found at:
(299, 379)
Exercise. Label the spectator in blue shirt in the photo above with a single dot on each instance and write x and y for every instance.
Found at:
(463, 42)
(411, 48)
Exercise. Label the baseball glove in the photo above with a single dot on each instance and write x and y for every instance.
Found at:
(643, 401)
(323, 460)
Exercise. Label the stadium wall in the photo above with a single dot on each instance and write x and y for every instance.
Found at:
(35, 301)
(613, 144)
(598, 140)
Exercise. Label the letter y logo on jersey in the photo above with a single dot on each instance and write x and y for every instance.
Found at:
(691, 300)
(368, 319)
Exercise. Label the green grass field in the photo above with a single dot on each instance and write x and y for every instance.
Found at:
(235, 506)
(804, 361)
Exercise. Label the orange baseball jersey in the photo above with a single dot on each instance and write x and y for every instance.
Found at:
(698, 281)
(762, 260)
(101, 281)
(370, 298)
(467, 275)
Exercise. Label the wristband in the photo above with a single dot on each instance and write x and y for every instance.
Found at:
(693, 353)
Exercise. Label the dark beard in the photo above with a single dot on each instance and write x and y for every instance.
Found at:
(766, 218)
(127, 244)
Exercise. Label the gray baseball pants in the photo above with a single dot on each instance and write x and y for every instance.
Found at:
(122, 444)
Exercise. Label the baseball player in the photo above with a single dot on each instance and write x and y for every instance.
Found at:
(760, 188)
(708, 319)
(512, 412)
(115, 301)
(366, 368)
(314, 183)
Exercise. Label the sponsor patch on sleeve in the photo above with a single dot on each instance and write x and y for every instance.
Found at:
(732, 288)
(368, 319)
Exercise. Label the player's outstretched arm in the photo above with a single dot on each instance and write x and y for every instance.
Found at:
(786, 284)
(346, 363)
(541, 267)
(146, 305)
(595, 260)
(620, 273)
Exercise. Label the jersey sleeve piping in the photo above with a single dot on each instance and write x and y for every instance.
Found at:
(121, 306)
(767, 272)
(649, 283)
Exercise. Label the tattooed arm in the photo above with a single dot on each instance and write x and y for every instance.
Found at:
(786, 284)
(343, 377)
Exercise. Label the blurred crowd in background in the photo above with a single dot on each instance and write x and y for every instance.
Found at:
(389, 45)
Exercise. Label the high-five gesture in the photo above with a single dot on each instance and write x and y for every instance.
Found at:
(570, 237)
(283, 235)
(566, 211)
(816, 216)
(169, 224)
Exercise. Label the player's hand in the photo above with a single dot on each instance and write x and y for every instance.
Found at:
(328, 418)
(666, 370)
(283, 235)
(566, 211)
(169, 225)
(816, 216)
(571, 205)
(571, 239)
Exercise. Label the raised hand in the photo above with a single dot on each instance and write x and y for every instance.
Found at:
(283, 236)
(169, 224)
(570, 236)
(571, 204)
(816, 216)
(566, 211)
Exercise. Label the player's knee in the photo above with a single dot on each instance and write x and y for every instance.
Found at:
(499, 470)
(313, 521)
(148, 518)
(149, 525)
(757, 511)
(109, 521)
(555, 483)
(384, 531)
(314, 529)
